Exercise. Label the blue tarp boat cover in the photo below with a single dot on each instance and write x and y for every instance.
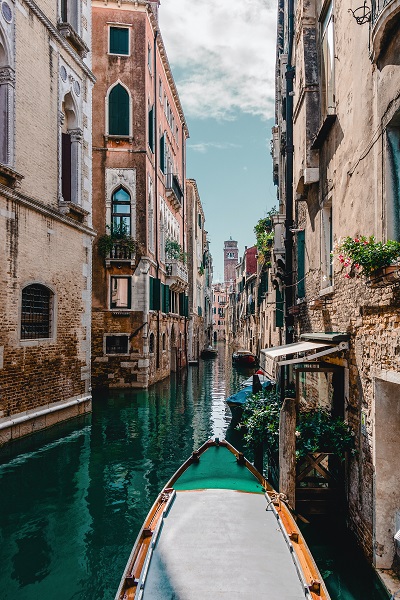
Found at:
(241, 396)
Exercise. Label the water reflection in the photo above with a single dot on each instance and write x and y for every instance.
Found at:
(73, 499)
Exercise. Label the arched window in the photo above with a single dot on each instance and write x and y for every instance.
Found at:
(121, 212)
(164, 341)
(36, 312)
(151, 343)
(118, 111)
(71, 140)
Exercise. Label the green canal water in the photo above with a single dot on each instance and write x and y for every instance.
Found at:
(73, 498)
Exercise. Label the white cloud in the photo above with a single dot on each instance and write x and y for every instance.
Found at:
(225, 52)
(203, 147)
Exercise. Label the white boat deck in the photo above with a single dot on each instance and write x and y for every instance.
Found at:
(219, 544)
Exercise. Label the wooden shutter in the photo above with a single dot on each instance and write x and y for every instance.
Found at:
(166, 299)
(162, 153)
(118, 111)
(119, 40)
(151, 129)
(301, 288)
(66, 166)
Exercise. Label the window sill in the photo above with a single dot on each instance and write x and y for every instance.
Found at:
(117, 312)
(36, 342)
(326, 291)
(73, 38)
(9, 177)
(118, 138)
(73, 210)
(323, 132)
(118, 55)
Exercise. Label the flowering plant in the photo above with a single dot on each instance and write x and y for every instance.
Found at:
(366, 254)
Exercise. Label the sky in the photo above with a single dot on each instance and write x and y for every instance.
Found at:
(222, 55)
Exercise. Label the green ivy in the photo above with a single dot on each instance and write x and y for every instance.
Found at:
(317, 430)
(174, 251)
(265, 235)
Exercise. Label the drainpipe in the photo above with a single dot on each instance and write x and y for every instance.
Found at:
(156, 189)
(289, 280)
(184, 225)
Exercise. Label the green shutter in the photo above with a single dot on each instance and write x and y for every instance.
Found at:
(301, 288)
(165, 298)
(151, 129)
(119, 40)
(279, 309)
(162, 153)
(182, 304)
(118, 111)
(155, 294)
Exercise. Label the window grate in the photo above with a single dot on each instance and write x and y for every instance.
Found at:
(36, 312)
(117, 344)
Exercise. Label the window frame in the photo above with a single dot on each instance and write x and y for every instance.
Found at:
(129, 292)
(129, 135)
(121, 216)
(31, 341)
(326, 246)
(119, 26)
(106, 335)
(327, 20)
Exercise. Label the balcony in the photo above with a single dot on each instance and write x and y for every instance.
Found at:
(120, 252)
(177, 275)
(173, 190)
(385, 19)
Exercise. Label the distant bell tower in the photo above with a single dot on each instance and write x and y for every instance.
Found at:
(231, 256)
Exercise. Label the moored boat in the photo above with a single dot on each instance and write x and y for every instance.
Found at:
(218, 530)
(244, 358)
(209, 352)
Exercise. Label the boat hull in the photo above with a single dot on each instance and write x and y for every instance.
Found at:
(218, 530)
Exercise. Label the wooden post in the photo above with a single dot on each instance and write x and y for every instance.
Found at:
(287, 450)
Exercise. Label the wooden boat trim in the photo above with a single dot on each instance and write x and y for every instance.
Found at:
(139, 559)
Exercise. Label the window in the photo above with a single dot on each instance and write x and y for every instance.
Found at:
(151, 216)
(121, 212)
(7, 78)
(164, 342)
(118, 111)
(71, 140)
(326, 244)
(151, 128)
(301, 288)
(328, 62)
(151, 343)
(36, 312)
(149, 57)
(120, 292)
(70, 13)
(160, 90)
(119, 41)
(162, 154)
(393, 183)
(199, 218)
(117, 344)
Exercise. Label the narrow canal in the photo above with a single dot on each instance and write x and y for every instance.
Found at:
(72, 499)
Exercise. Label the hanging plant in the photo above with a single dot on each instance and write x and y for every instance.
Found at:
(362, 256)
(174, 251)
(118, 235)
(265, 235)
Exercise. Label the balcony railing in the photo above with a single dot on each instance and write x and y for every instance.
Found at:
(120, 252)
(177, 275)
(174, 190)
(385, 17)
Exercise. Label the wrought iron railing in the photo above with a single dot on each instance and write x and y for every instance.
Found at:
(377, 6)
(121, 251)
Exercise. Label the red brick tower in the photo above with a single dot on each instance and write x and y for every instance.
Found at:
(231, 257)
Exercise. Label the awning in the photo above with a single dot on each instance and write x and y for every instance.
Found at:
(272, 358)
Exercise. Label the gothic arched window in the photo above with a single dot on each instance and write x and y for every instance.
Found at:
(121, 212)
(118, 111)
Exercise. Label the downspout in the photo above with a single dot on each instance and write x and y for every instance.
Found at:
(184, 226)
(290, 72)
(156, 191)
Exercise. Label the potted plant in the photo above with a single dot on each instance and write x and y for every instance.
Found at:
(362, 256)
(173, 250)
(265, 235)
(117, 236)
(201, 270)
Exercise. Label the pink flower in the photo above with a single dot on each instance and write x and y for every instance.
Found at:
(356, 240)
(356, 266)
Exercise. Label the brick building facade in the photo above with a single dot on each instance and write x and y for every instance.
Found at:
(45, 214)
(140, 283)
(342, 120)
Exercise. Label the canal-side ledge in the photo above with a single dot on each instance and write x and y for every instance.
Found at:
(31, 421)
(389, 580)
